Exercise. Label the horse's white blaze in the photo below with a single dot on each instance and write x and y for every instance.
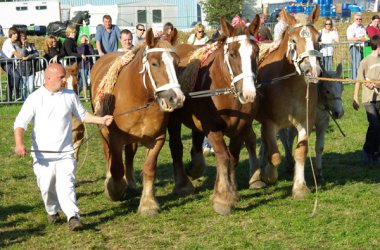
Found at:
(312, 59)
(249, 89)
(173, 80)
(301, 133)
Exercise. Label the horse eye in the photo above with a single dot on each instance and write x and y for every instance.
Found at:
(232, 55)
(327, 92)
(155, 64)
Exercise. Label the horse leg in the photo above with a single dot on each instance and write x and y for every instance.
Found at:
(148, 203)
(130, 152)
(320, 128)
(115, 184)
(225, 195)
(255, 181)
(182, 184)
(287, 136)
(273, 157)
(197, 165)
(299, 187)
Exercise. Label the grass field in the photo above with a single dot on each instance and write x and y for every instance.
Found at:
(347, 215)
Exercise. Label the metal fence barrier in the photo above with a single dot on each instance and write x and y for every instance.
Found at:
(19, 78)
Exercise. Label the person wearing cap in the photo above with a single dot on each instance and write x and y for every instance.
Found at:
(369, 70)
(373, 27)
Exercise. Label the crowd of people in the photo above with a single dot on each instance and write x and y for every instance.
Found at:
(108, 36)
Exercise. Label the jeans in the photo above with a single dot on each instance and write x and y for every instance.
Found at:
(83, 79)
(27, 86)
(372, 140)
(356, 53)
(327, 62)
(13, 81)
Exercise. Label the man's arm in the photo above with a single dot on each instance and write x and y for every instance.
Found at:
(355, 103)
(105, 120)
(19, 142)
(99, 48)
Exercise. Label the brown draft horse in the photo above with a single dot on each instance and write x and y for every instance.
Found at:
(232, 65)
(285, 102)
(150, 78)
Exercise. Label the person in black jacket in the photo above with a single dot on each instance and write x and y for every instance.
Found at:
(70, 48)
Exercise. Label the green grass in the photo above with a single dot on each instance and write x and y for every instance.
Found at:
(347, 215)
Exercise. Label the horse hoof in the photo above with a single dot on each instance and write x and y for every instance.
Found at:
(132, 192)
(148, 211)
(183, 191)
(222, 209)
(300, 193)
(257, 185)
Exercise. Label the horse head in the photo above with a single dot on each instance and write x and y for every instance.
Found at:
(303, 43)
(240, 54)
(330, 93)
(86, 17)
(160, 62)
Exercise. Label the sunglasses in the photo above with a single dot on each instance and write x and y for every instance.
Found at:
(201, 31)
(358, 19)
(328, 23)
(141, 29)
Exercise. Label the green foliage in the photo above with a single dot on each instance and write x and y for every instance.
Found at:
(347, 215)
(214, 9)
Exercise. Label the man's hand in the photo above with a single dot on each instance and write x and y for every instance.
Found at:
(20, 150)
(107, 120)
(371, 86)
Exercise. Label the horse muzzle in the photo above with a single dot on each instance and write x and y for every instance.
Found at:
(170, 99)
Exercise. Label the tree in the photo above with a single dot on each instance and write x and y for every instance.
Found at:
(214, 9)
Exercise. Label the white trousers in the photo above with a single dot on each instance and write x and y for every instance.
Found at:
(56, 180)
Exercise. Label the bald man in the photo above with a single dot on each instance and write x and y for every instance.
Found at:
(51, 109)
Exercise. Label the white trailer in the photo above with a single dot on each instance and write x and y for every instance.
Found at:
(29, 12)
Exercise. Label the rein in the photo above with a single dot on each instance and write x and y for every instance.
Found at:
(93, 134)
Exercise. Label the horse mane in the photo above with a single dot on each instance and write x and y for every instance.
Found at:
(301, 18)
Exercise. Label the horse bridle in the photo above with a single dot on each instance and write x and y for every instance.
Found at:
(297, 59)
(146, 68)
(237, 78)
(324, 98)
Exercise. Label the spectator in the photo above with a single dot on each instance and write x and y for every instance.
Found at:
(70, 47)
(279, 30)
(52, 48)
(369, 69)
(125, 40)
(328, 35)
(26, 67)
(356, 33)
(264, 31)
(199, 37)
(373, 27)
(85, 49)
(51, 109)
(107, 36)
(139, 35)
(10, 52)
(168, 27)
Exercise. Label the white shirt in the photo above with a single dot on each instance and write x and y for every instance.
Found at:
(194, 41)
(51, 114)
(355, 30)
(8, 48)
(327, 39)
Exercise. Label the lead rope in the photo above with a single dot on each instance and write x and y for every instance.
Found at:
(308, 150)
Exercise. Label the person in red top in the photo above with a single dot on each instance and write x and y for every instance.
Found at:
(373, 27)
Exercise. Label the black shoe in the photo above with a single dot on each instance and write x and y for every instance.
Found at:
(52, 219)
(75, 224)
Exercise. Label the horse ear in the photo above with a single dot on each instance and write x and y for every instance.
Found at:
(339, 69)
(172, 39)
(313, 18)
(150, 38)
(254, 25)
(226, 28)
(289, 19)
